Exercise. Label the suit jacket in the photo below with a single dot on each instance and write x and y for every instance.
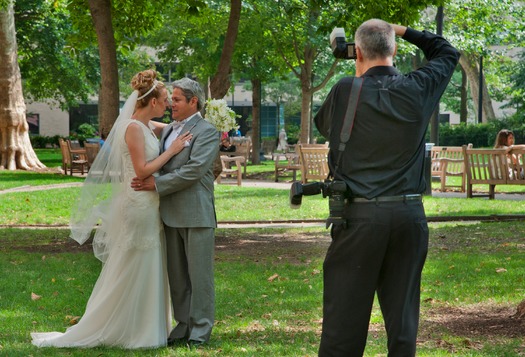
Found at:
(185, 183)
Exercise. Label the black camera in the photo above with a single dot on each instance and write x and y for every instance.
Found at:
(341, 48)
(335, 190)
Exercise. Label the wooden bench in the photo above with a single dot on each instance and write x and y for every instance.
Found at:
(284, 162)
(492, 167)
(313, 161)
(231, 166)
(447, 161)
(72, 159)
(92, 150)
(243, 147)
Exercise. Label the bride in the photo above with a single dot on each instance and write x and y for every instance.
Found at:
(129, 305)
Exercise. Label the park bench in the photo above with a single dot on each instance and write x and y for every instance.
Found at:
(92, 150)
(492, 167)
(447, 161)
(286, 162)
(243, 147)
(313, 161)
(73, 159)
(231, 166)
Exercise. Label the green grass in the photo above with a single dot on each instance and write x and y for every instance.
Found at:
(469, 267)
(12, 179)
(258, 317)
(50, 157)
(234, 203)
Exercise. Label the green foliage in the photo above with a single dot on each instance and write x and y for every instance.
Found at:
(473, 26)
(132, 63)
(515, 90)
(480, 135)
(195, 39)
(53, 70)
(84, 131)
(131, 21)
(40, 142)
(293, 132)
(490, 28)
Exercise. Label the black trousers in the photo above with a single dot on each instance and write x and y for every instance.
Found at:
(382, 249)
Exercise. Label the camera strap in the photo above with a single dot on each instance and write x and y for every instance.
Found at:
(348, 123)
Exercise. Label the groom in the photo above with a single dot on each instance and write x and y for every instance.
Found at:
(185, 187)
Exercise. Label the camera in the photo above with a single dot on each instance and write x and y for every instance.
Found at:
(335, 191)
(341, 48)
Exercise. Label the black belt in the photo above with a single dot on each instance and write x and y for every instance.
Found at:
(401, 198)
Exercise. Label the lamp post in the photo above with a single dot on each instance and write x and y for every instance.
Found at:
(480, 95)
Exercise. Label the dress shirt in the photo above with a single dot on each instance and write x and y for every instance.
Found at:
(177, 128)
(385, 153)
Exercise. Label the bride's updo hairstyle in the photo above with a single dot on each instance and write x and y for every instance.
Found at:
(147, 85)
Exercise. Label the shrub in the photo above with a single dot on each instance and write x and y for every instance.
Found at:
(480, 135)
(38, 141)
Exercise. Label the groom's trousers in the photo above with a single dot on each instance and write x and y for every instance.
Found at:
(190, 254)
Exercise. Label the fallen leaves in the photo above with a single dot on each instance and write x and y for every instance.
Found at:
(273, 277)
(72, 320)
(35, 297)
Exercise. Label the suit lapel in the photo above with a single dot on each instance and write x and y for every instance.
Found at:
(192, 122)
(187, 127)
(165, 133)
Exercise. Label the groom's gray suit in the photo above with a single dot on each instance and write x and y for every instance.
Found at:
(187, 208)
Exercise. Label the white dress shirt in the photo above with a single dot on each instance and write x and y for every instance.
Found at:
(177, 128)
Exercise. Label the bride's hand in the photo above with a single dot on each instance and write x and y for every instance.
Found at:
(179, 143)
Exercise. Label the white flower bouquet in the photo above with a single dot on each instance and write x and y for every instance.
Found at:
(220, 115)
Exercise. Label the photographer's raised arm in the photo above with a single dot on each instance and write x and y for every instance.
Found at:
(399, 30)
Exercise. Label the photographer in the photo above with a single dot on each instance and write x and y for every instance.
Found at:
(382, 243)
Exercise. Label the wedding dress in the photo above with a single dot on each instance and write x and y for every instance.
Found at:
(129, 305)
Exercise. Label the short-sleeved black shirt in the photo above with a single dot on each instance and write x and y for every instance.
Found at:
(385, 153)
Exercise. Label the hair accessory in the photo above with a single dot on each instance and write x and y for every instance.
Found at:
(155, 82)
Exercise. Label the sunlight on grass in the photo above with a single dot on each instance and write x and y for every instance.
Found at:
(269, 297)
(235, 203)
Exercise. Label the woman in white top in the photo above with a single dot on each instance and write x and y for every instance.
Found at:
(505, 140)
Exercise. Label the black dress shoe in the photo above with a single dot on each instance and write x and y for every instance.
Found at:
(195, 344)
(176, 341)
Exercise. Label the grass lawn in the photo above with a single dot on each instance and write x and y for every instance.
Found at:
(269, 292)
(268, 281)
(233, 203)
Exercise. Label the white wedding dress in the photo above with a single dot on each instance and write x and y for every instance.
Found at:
(129, 306)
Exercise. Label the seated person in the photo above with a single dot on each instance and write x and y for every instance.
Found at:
(505, 140)
(226, 146)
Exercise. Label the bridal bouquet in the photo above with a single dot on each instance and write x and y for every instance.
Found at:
(220, 115)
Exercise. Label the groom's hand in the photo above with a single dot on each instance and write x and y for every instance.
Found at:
(148, 184)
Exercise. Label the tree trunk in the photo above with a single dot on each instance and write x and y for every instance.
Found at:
(16, 151)
(306, 97)
(108, 99)
(220, 83)
(470, 63)
(256, 121)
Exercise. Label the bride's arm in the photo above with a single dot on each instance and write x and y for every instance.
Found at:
(157, 127)
(136, 146)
